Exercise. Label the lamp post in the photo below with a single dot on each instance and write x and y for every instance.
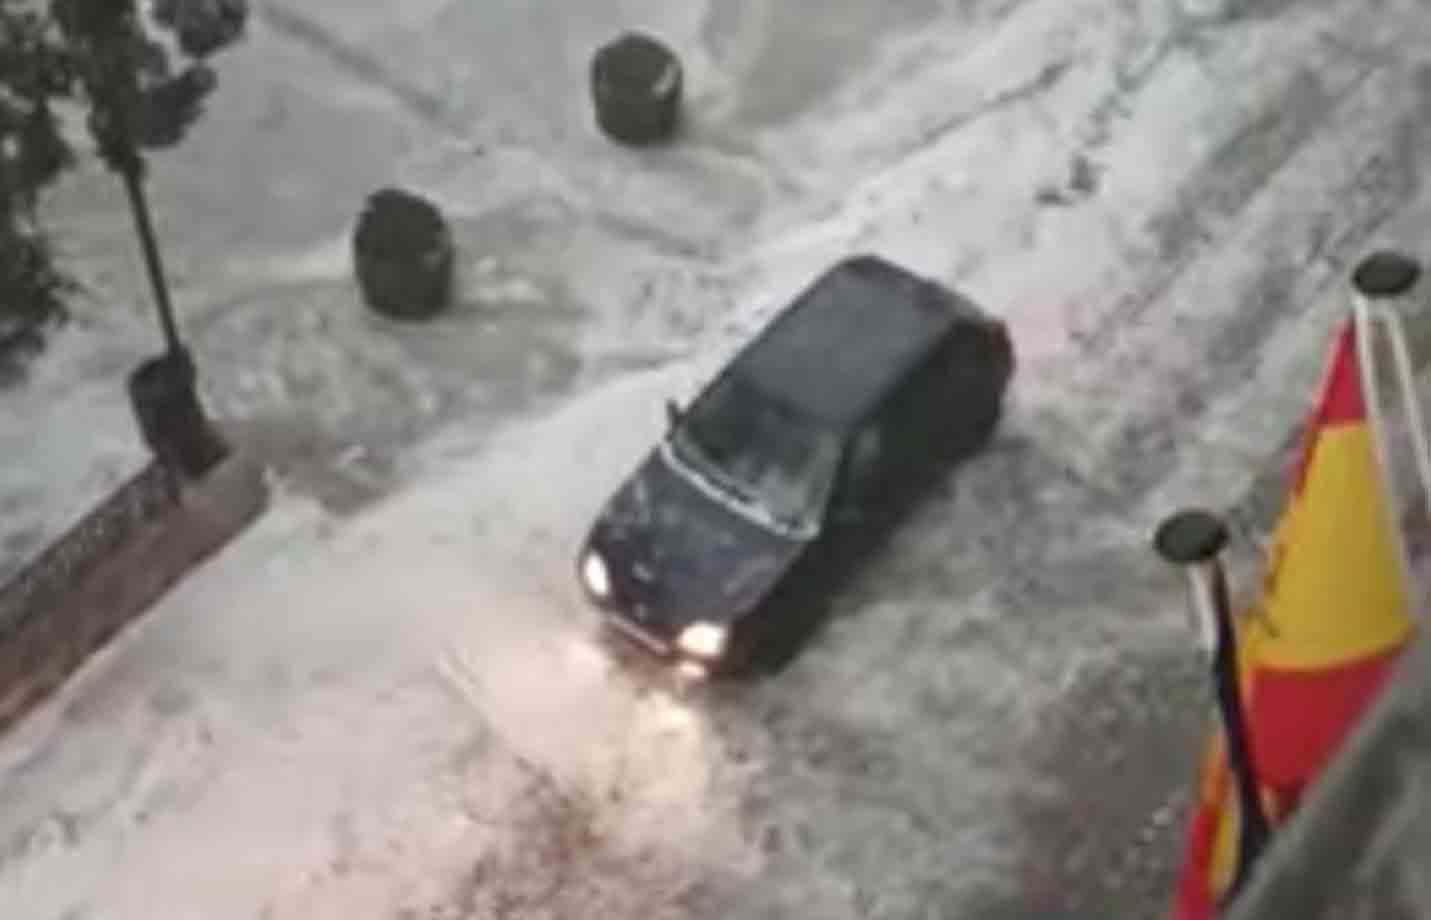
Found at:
(134, 101)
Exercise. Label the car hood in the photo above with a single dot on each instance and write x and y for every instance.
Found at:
(678, 552)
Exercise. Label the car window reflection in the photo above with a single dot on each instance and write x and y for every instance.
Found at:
(760, 452)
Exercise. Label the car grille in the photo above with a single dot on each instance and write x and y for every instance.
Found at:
(638, 635)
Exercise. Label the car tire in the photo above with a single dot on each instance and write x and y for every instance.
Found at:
(636, 86)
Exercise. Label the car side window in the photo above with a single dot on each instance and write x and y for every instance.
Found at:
(866, 453)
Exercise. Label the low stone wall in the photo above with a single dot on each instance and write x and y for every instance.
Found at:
(110, 567)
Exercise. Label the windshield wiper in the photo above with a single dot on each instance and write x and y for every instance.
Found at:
(699, 467)
(700, 462)
(733, 489)
(795, 524)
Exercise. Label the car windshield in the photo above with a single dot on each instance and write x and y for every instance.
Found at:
(760, 452)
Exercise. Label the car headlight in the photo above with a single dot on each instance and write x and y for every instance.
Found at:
(704, 640)
(596, 576)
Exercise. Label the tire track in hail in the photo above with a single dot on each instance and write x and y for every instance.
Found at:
(1297, 255)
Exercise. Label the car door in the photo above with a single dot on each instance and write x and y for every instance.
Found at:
(857, 492)
(972, 368)
(867, 502)
(915, 434)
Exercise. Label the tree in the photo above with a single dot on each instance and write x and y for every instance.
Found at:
(135, 99)
(34, 74)
(100, 56)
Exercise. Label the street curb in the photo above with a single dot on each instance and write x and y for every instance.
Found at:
(53, 629)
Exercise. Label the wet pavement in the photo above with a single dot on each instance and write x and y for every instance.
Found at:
(1002, 714)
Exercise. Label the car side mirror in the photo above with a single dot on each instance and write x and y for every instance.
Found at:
(674, 413)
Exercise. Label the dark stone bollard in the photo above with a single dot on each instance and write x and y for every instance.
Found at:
(403, 255)
(203, 27)
(171, 420)
(636, 85)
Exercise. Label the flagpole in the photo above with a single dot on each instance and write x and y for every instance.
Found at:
(1193, 540)
(1378, 280)
(1406, 376)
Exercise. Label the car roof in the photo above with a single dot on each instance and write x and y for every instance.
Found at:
(849, 339)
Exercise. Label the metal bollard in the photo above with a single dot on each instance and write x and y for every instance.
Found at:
(1194, 539)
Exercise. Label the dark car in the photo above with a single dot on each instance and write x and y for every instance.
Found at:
(785, 469)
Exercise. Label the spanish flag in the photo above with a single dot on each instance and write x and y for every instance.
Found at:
(1332, 616)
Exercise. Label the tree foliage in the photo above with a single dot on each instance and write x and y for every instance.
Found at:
(104, 58)
(34, 74)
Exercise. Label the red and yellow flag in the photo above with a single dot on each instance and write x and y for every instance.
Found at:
(1312, 653)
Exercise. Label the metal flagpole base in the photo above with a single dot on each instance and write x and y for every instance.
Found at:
(1193, 540)
(1385, 273)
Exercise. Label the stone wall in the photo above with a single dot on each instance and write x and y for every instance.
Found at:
(110, 567)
